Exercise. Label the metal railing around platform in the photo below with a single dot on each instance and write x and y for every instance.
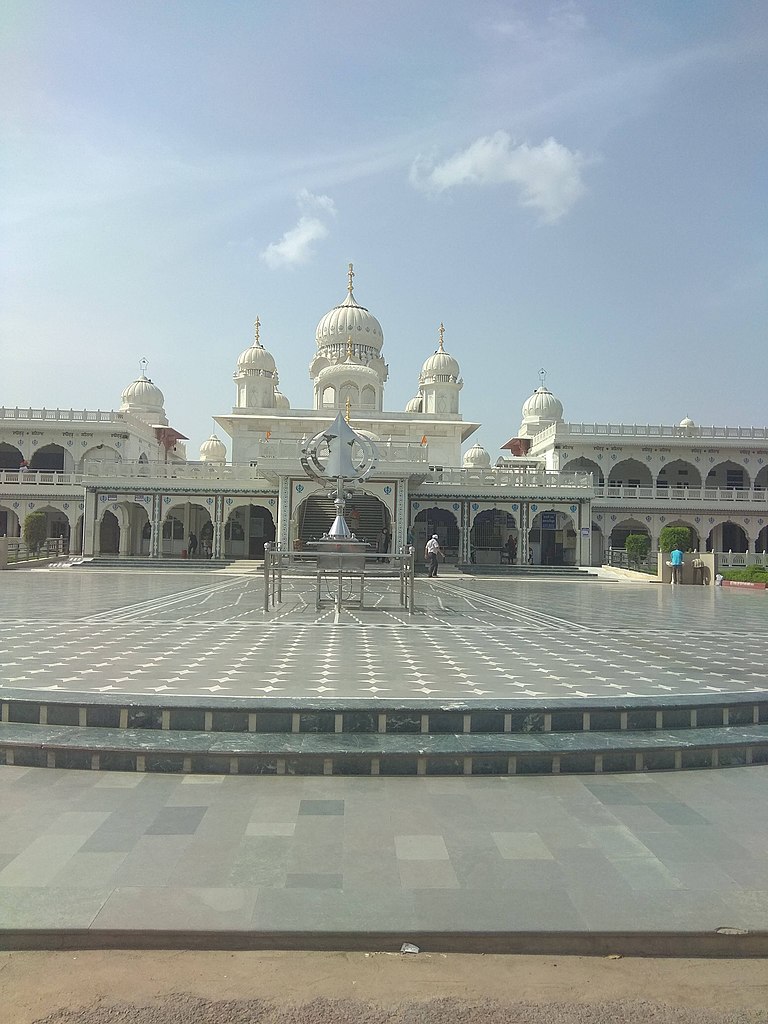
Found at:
(335, 583)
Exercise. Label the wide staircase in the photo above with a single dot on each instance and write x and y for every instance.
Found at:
(143, 562)
(293, 736)
(535, 572)
(318, 512)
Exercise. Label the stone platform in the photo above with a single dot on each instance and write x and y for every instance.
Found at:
(182, 671)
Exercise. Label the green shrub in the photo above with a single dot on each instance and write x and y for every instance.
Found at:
(752, 574)
(637, 546)
(672, 537)
(35, 531)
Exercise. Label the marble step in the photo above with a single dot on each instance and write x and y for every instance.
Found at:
(381, 753)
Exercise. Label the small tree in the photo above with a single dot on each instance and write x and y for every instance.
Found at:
(672, 537)
(35, 531)
(637, 546)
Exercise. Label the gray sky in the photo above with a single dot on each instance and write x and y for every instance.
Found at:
(579, 186)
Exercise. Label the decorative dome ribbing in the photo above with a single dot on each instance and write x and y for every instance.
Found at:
(144, 399)
(213, 450)
(476, 458)
(256, 359)
(440, 365)
(347, 319)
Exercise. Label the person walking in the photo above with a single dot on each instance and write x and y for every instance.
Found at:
(192, 545)
(431, 552)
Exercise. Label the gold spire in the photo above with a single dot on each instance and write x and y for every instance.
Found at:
(349, 410)
(256, 327)
(350, 275)
(442, 332)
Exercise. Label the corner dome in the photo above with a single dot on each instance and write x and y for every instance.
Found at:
(476, 458)
(256, 358)
(415, 404)
(440, 365)
(213, 450)
(281, 402)
(144, 399)
(542, 405)
(347, 319)
(687, 422)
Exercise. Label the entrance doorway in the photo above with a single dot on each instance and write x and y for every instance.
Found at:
(552, 539)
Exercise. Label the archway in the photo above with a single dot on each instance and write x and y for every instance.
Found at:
(51, 458)
(493, 537)
(10, 525)
(193, 519)
(246, 531)
(630, 473)
(622, 530)
(367, 517)
(552, 539)
(728, 476)
(679, 474)
(10, 456)
(584, 465)
(728, 536)
(440, 521)
(761, 544)
(109, 534)
(100, 453)
(761, 480)
(695, 538)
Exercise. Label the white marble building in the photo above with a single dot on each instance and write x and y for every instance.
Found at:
(120, 482)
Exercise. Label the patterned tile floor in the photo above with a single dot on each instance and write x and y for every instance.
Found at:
(675, 852)
(189, 634)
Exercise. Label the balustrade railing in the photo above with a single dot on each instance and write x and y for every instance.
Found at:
(717, 494)
(66, 415)
(651, 430)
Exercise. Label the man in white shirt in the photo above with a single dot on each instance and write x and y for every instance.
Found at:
(431, 552)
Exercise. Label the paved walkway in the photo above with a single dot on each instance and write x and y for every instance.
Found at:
(680, 852)
(188, 634)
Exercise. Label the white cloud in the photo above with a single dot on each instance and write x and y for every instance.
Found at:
(548, 176)
(296, 244)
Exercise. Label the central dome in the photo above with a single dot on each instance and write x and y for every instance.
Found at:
(350, 319)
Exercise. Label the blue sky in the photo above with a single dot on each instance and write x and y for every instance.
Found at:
(579, 186)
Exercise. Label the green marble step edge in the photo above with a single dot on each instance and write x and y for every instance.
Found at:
(141, 741)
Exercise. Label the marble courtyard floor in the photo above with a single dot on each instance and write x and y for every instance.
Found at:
(578, 859)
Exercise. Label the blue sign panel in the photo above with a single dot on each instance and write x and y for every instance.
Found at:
(549, 520)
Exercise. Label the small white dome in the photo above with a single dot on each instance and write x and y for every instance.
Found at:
(687, 422)
(144, 399)
(542, 405)
(144, 393)
(281, 402)
(213, 450)
(415, 404)
(256, 358)
(476, 458)
(349, 368)
(440, 365)
(349, 319)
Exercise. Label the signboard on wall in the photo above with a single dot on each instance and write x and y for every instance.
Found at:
(549, 520)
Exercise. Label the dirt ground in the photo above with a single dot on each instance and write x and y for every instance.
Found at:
(147, 987)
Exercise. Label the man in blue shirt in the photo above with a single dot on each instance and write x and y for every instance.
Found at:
(676, 558)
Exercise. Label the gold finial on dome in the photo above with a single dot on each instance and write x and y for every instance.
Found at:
(256, 327)
(442, 332)
(349, 410)
(350, 275)
(143, 364)
(542, 375)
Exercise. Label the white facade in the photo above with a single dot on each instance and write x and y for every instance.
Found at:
(120, 482)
